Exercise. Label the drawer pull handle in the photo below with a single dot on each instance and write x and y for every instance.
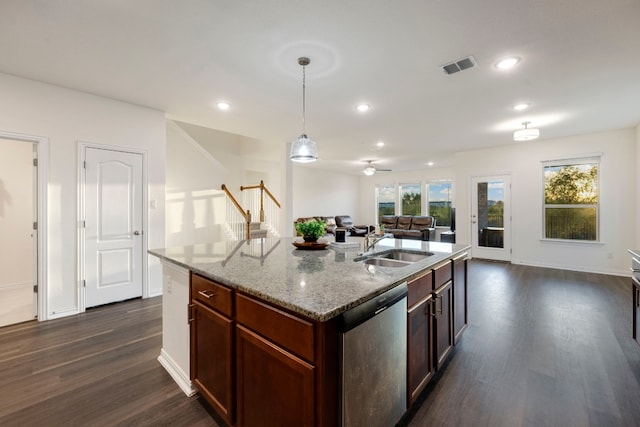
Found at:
(207, 294)
(437, 312)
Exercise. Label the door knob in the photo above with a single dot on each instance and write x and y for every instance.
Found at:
(136, 233)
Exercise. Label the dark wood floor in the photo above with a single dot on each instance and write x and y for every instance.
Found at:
(543, 347)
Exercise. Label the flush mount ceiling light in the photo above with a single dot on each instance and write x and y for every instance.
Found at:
(303, 149)
(223, 105)
(526, 134)
(507, 63)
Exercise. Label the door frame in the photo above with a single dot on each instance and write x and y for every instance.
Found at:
(42, 144)
(82, 146)
(507, 250)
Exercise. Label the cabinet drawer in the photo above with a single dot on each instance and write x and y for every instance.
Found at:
(419, 288)
(286, 330)
(211, 294)
(441, 274)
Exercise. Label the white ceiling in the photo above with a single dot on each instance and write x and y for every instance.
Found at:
(580, 67)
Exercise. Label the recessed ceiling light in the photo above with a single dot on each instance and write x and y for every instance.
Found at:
(507, 63)
(430, 163)
(520, 107)
(363, 107)
(223, 105)
(380, 144)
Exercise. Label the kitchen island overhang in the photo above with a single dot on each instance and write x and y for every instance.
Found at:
(316, 284)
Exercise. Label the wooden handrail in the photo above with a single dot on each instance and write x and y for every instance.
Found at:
(246, 215)
(264, 188)
(271, 196)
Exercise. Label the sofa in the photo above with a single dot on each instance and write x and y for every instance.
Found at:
(409, 226)
(331, 223)
(345, 221)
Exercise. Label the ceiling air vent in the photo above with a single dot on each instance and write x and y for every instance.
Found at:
(459, 65)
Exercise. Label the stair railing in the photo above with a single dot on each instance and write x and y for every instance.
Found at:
(238, 220)
(268, 207)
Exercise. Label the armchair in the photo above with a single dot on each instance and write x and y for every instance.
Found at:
(345, 221)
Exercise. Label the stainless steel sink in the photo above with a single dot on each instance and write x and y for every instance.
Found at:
(394, 258)
(406, 255)
(385, 262)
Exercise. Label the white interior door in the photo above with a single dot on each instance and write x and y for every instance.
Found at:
(491, 217)
(113, 205)
(18, 263)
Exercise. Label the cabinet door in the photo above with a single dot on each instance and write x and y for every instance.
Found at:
(443, 321)
(274, 386)
(419, 349)
(459, 297)
(211, 352)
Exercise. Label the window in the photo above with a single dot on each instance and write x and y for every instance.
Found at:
(571, 205)
(385, 200)
(439, 196)
(411, 202)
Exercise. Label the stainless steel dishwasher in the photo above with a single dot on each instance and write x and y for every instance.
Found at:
(373, 366)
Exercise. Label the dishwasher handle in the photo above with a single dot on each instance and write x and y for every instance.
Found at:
(365, 311)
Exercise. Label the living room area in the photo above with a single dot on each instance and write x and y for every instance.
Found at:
(311, 190)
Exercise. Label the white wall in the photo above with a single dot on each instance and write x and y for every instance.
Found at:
(195, 204)
(637, 181)
(16, 213)
(66, 117)
(199, 161)
(618, 195)
(317, 192)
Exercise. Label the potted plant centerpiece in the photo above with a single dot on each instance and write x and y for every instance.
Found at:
(311, 230)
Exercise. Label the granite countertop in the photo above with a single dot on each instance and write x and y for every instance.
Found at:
(319, 284)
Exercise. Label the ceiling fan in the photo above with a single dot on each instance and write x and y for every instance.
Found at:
(370, 169)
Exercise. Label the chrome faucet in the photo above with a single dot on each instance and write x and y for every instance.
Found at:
(370, 240)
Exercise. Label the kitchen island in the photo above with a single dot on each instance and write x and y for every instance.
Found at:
(254, 326)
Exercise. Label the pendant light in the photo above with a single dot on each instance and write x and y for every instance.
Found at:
(303, 149)
(526, 134)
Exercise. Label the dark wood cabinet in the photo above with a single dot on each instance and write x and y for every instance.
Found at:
(275, 387)
(212, 341)
(419, 349)
(636, 310)
(459, 296)
(275, 366)
(212, 352)
(443, 323)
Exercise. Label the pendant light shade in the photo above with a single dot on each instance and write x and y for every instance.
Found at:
(303, 149)
(526, 134)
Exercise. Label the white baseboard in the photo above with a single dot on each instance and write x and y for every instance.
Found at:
(176, 373)
(155, 293)
(63, 312)
(607, 271)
